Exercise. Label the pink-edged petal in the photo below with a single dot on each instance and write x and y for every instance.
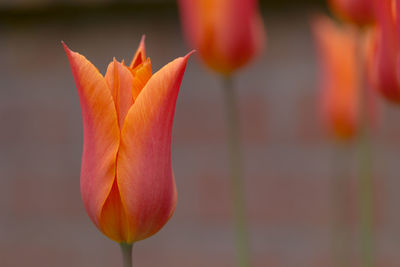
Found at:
(100, 134)
(145, 177)
(385, 67)
(120, 81)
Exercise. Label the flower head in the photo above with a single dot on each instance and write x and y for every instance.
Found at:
(385, 52)
(127, 183)
(340, 87)
(226, 33)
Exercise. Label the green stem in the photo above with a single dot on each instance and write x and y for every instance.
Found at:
(126, 250)
(365, 165)
(366, 201)
(340, 196)
(236, 174)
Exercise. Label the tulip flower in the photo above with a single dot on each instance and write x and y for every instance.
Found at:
(348, 109)
(386, 51)
(360, 12)
(339, 82)
(127, 183)
(226, 33)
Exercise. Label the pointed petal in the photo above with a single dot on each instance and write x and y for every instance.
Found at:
(145, 178)
(140, 55)
(100, 134)
(120, 81)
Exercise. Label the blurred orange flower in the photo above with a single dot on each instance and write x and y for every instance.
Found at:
(127, 182)
(385, 51)
(339, 77)
(360, 12)
(226, 33)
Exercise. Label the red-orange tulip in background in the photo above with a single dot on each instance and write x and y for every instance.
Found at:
(127, 183)
(226, 33)
(360, 12)
(339, 78)
(385, 57)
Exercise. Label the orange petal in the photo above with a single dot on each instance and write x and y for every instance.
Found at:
(145, 177)
(140, 55)
(142, 75)
(100, 134)
(120, 82)
(113, 220)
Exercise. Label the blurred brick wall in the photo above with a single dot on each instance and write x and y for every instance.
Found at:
(288, 158)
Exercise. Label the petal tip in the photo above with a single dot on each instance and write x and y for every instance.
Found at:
(70, 54)
(143, 39)
(66, 48)
(186, 58)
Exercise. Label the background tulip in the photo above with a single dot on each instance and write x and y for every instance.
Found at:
(127, 183)
(384, 71)
(226, 33)
(341, 88)
(339, 82)
(360, 12)
(348, 110)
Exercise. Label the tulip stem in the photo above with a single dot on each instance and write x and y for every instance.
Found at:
(126, 250)
(341, 237)
(366, 201)
(365, 165)
(236, 174)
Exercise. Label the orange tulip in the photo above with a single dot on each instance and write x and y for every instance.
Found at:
(127, 183)
(360, 12)
(339, 83)
(226, 33)
(386, 53)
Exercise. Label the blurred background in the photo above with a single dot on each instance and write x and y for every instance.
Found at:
(289, 160)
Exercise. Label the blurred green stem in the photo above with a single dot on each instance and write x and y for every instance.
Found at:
(365, 164)
(236, 173)
(366, 200)
(126, 250)
(340, 195)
